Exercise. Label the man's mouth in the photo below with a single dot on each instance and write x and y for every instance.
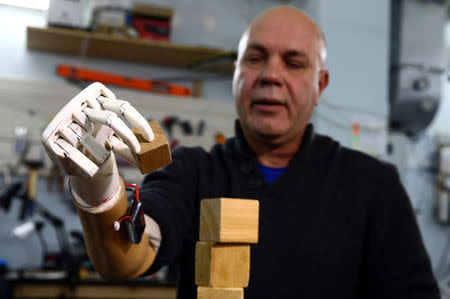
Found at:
(267, 102)
(269, 105)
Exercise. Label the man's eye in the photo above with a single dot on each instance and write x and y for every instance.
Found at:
(253, 59)
(295, 64)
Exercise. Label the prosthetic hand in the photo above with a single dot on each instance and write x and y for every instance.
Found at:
(81, 139)
(81, 136)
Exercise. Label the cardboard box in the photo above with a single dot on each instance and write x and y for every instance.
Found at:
(70, 13)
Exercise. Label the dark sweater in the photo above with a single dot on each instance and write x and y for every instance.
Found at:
(336, 224)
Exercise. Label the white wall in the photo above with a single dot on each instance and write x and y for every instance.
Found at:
(357, 34)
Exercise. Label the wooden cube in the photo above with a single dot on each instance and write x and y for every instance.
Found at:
(229, 220)
(222, 265)
(154, 154)
(220, 293)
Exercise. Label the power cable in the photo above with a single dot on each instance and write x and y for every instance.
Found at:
(329, 104)
(347, 125)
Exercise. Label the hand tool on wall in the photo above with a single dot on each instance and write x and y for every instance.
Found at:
(55, 176)
(220, 138)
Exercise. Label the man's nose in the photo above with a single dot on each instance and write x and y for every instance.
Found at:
(271, 73)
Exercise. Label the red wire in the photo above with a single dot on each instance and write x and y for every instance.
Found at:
(123, 217)
(137, 193)
(91, 204)
(136, 189)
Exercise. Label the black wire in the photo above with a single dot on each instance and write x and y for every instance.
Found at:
(43, 244)
(325, 102)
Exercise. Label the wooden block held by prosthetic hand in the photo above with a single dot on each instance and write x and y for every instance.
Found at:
(222, 265)
(229, 220)
(154, 154)
(220, 293)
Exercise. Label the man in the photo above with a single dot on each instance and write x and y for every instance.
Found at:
(278, 81)
(334, 223)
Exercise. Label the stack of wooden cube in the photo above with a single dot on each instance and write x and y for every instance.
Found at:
(227, 228)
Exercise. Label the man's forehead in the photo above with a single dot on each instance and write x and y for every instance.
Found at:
(286, 51)
(284, 34)
(280, 39)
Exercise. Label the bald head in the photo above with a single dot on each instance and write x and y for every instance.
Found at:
(287, 17)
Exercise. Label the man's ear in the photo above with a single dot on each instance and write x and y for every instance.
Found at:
(323, 83)
(324, 78)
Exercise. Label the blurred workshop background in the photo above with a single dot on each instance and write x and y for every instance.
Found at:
(389, 96)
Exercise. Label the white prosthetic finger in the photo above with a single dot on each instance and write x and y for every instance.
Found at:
(96, 90)
(83, 121)
(99, 153)
(86, 165)
(130, 113)
(111, 104)
(139, 122)
(111, 120)
(68, 135)
(119, 147)
(99, 116)
(76, 135)
(122, 130)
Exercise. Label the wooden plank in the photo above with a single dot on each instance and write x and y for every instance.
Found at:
(220, 293)
(229, 220)
(154, 154)
(110, 291)
(96, 44)
(222, 265)
(152, 10)
(59, 290)
(25, 290)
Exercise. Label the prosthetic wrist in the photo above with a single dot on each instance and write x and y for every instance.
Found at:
(99, 189)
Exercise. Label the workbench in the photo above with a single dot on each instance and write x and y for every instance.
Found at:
(92, 288)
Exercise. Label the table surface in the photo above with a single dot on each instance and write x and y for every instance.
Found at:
(33, 287)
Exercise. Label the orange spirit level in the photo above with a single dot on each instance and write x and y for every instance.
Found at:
(83, 74)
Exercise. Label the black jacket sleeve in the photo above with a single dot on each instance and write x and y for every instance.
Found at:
(168, 196)
(398, 265)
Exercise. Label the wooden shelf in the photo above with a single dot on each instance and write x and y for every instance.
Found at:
(101, 45)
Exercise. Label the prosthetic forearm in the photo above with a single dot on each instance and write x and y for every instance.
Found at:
(111, 252)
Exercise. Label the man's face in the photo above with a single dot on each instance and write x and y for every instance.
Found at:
(277, 80)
